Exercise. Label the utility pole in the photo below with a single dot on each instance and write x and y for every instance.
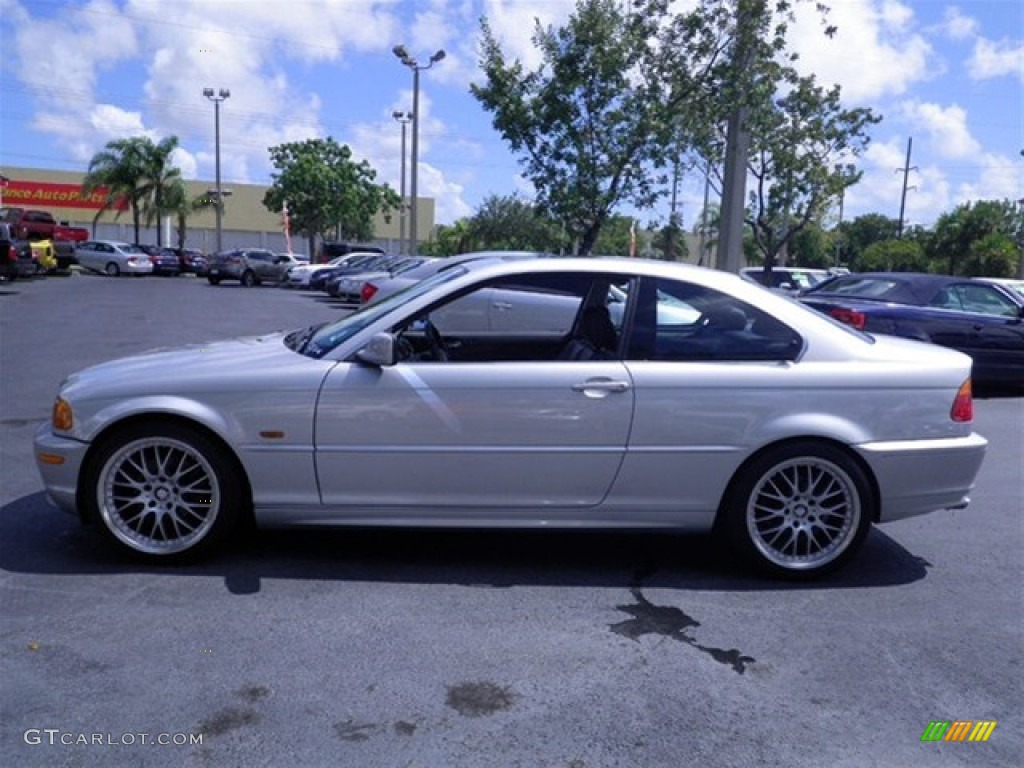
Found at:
(905, 170)
(737, 145)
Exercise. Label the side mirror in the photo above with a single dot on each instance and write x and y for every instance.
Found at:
(379, 352)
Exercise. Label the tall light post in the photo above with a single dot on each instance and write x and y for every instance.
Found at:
(416, 67)
(217, 98)
(404, 118)
(845, 172)
(3, 186)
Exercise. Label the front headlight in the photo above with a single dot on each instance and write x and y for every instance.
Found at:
(63, 419)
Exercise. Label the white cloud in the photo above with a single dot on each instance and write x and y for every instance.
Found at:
(875, 51)
(957, 26)
(946, 127)
(996, 59)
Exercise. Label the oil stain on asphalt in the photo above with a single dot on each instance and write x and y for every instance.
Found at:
(669, 621)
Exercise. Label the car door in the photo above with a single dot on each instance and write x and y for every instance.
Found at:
(707, 370)
(478, 431)
(993, 330)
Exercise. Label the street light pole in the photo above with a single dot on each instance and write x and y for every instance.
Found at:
(416, 67)
(221, 95)
(845, 172)
(404, 118)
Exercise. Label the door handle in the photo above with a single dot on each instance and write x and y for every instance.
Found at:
(502, 305)
(601, 385)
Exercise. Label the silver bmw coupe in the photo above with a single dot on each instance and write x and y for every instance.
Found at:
(549, 392)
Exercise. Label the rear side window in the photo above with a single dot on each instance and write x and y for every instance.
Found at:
(679, 321)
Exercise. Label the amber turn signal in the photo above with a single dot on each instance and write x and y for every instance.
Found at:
(62, 418)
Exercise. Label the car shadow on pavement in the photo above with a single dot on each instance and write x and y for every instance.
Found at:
(36, 538)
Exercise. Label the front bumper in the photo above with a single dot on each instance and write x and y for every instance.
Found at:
(920, 476)
(59, 460)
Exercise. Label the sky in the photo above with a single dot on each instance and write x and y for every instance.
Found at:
(75, 75)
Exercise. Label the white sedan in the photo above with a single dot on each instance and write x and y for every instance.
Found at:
(299, 276)
(113, 258)
(671, 397)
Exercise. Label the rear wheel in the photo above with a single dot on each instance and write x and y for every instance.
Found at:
(112, 270)
(799, 511)
(213, 280)
(248, 278)
(163, 492)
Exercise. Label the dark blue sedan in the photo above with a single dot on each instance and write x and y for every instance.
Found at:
(981, 319)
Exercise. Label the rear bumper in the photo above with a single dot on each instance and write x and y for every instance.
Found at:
(920, 476)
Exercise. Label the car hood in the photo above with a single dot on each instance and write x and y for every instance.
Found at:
(195, 366)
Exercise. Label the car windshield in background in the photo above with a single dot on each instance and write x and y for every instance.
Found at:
(330, 336)
(863, 287)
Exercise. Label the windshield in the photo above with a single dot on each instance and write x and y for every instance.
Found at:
(327, 337)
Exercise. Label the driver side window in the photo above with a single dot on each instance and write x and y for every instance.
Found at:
(528, 317)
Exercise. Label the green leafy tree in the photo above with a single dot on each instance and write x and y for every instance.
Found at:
(510, 223)
(450, 239)
(894, 256)
(796, 140)
(326, 190)
(956, 234)
(603, 116)
(994, 255)
(861, 232)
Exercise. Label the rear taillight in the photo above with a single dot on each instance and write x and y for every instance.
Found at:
(367, 292)
(12, 253)
(849, 317)
(963, 404)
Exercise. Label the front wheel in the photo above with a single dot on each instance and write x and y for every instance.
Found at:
(164, 492)
(248, 278)
(799, 511)
(213, 280)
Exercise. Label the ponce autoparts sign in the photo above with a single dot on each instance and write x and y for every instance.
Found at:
(54, 195)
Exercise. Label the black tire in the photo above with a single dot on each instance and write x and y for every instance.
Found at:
(163, 492)
(248, 279)
(799, 511)
(112, 270)
(213, 280)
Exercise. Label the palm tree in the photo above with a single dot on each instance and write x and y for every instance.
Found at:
(160, 178)
(177, 202)
(120, 168)
(136, 169)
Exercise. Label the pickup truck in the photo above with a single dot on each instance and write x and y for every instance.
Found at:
(15, 255)
(30, 225)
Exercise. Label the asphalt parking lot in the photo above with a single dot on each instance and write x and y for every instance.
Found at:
(457, 649)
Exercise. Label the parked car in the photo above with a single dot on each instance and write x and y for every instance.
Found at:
(295, 259)
(193, 262)
(44, 256)
(300, 276)
(368, 262)
(378, 289)
(721, 415)
(981, 319)
(1013, 283)
(330, 251)
(249, 266)
(113, 258)
(15, 255)
(166, 261)
(791, 280)
(349, 288)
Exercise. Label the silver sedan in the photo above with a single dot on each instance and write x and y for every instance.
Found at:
(669, 398)
(113, 258)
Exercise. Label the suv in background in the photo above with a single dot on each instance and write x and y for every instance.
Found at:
(786, 280)
(249, 266)
(15, 255)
